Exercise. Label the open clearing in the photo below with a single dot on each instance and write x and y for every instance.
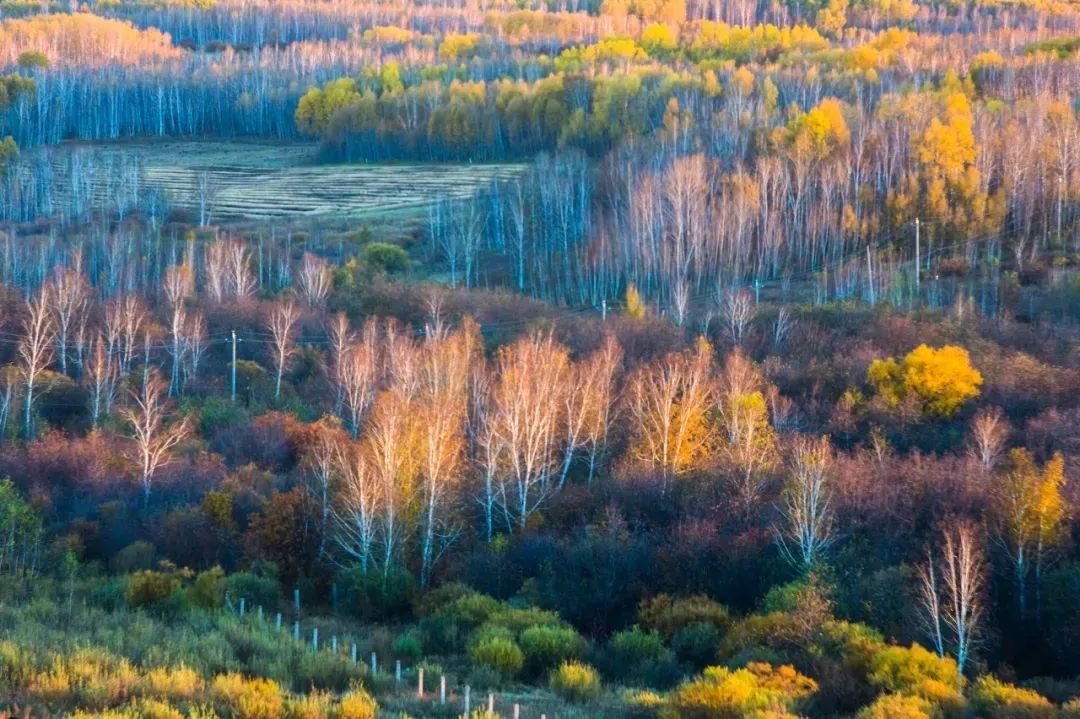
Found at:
(262, 180)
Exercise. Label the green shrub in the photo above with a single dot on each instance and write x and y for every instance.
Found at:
(499, 654)
(546, 647)
(384, 257)
(254, 589)
(575, 682)
(375, 597)
(696, 644)
(449, 625)
(32, 58)
(323, 670)
(442, 596)
(994, 699)
(666, 615)
(518, 619)
(631, 647)
(640, 658)
(208, 589)
(135, 556)
(109, 595)
(237, 697)
(408, 647)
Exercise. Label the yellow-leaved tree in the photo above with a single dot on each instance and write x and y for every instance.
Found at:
(635, 307)
(942, 380)
(318, 106)
(758, 689)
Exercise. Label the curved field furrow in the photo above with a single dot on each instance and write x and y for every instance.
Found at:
(238, 181)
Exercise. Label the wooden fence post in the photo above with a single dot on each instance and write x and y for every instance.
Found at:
(468, 700)
(420, 683)
(315, 639)
(442, 689)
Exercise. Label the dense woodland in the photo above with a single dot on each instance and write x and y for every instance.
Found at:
(755, 392)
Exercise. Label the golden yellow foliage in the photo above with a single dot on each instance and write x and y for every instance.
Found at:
(941, 379)
(897, 706)
(993, 698)
(635, 308)
(243, 698)
(758, 690)
(820, 131)
(318, 105)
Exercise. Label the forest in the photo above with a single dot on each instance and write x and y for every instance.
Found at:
(633, 359)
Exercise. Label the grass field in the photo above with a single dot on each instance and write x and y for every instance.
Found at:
(253, 181)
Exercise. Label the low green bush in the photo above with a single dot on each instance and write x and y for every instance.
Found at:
(546, 647)
(208, 589)
(408, 647)
(255, 589)
(696, 644)
(500, 654)
(667, 615)
(149, 587)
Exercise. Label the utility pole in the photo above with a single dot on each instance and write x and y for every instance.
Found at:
(232, 385)
(918, 265)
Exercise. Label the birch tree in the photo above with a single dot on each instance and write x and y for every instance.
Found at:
(989, 432)
(530, 376)
(315, 279)
(153, 432)
(668, 403)
(951, 587)
(442, 413)
(101, 377)
(357, 505)
(69, 296)
(177, 286)
(282, 324)
(806, 526)
(35, 351)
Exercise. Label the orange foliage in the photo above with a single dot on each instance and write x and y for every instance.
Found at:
(84, 40)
